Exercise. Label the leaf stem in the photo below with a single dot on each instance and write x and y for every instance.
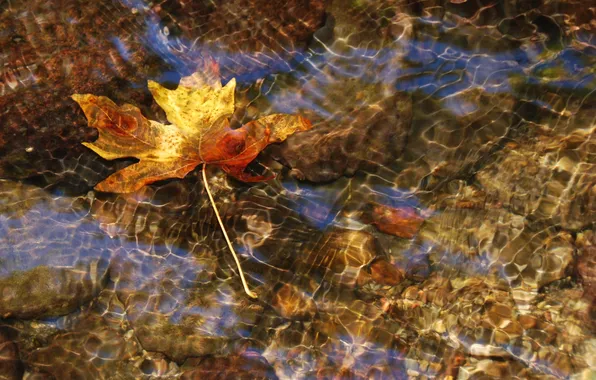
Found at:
(223, 229)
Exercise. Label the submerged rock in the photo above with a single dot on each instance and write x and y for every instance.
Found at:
(549, 177)
(180, 315)
(586, 262)
(251, 38)
(427, 356)
(58, 262)
(309, 350)
(468, 239)
(479, 111)
(488, 368)
(51, 53)
(385, 273)
(485, 322)
(45, 291)
(369, 136)
(291, 303)
(11, 367)
(111, 49)
(343, 255)
(247, 366)
(235, 32)
(560, 321)
(500, 245)
(98, 343)
(453, 135)
(402, 222)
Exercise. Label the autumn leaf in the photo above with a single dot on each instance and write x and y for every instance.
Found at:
(198, 110)
(403, 222)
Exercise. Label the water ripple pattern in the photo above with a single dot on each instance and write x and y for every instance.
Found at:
(437, 222)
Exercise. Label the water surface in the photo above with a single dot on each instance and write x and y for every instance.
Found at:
(437, 222)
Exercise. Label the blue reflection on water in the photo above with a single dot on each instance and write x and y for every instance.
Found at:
(121, 47)
(315, 203)
(183, 53)
(429, 59)
(438, 69)
(395, 197)
(67, 239)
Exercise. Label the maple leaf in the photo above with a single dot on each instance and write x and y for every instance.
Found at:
(198, 110)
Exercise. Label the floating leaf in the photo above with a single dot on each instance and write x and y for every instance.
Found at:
(199, 110)
(200, 132)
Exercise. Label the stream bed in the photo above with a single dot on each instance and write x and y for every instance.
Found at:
(438, 220)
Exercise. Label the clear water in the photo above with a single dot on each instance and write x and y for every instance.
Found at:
(470, 122)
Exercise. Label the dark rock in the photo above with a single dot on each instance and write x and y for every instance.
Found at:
(156, 364)
(30, 335)
(248, 38)
(385, 273)
(247, 366)
(236, 32)
(454, 135)
(52, 51)
(367, 24)
(369, 137)
(11, 367)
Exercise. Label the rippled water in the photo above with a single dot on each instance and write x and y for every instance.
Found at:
(438, 221)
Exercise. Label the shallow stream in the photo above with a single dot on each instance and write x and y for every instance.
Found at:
(437, 222)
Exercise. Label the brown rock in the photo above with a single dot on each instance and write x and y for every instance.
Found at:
(46, 291)
(385, 273)
(248, 366)
(291, 303)
(489, 368)
(370, 136)
(586, 261)
(94, 346)
(79, 47)
(342, 255)
(237, 27)
(52, 261)
(411, 293)
(548, 176)
(447, 141)
(527, 321)
(112, 49)
(11, 367)
(247, 37)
